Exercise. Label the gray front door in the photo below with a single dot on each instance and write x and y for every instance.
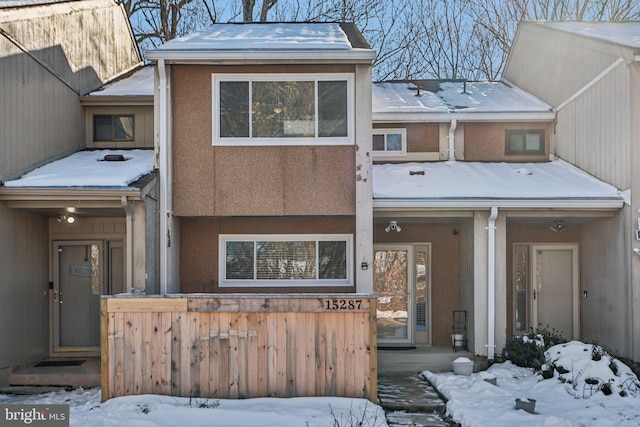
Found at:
(78, 284)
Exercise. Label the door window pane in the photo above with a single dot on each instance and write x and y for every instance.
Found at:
(390, 277)
(520, 285)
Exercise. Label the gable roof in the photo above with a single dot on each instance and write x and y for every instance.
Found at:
(296, 42)
(432, 100)
(622, 33)
(5, 4)
(555, 184)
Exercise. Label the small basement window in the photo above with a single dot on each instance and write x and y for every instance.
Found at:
(113, 128)
(389, 142)
(524, 141)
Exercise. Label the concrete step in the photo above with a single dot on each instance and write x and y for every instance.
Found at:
(418, 360)
(399, 418)
(409, 400)
(30, 390)
(86, 375)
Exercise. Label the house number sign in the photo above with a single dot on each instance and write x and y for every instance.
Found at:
(340, 304)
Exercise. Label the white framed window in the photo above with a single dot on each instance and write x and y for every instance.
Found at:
(283, 109)
(389, 142)
(286, 260)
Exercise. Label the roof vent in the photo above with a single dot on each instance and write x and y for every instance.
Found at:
(114, 158)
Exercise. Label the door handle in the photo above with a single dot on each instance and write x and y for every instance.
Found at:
(55, 296)
(535, 293)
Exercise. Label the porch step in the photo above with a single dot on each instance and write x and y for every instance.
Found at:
(434, 359)
(30, 390)
(86, 375)
(409, 400)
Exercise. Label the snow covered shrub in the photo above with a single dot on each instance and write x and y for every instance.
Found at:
(586, 369)
(528, 351)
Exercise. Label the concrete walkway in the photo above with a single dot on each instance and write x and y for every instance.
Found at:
(409, 400)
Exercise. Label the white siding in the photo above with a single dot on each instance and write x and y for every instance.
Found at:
(593, 130)
(24, 301)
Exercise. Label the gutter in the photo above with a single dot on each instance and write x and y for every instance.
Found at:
(129, 243)
(439, 117)
(165, 212)
(491, 284)
(470, 203)
(452, 140)
(291, 56)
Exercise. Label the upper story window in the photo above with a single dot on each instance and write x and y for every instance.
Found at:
(286, 260)
(113, 128)
(389, 142)
(282, 109)
(524, 141)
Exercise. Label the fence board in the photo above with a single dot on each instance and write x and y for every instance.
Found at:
(284, 346)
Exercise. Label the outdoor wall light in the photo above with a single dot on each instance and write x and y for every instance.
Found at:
(67, 218)
(559, 226)
(393, 226)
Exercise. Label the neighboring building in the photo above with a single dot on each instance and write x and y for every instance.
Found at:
(52, 54)
(485, 222)
(590, 73)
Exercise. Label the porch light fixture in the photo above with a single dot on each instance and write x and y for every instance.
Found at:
(393, 226)
(559, 226)
(67, 218)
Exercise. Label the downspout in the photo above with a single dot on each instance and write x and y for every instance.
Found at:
(452, 140)
(491, 284)
(129, 232)
(163, 164)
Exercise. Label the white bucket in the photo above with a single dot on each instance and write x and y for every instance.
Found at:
(457, 340)
(462, 366)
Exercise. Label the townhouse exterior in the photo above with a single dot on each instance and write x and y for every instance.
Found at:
(282, 169)
(589, 73)
(45, 74)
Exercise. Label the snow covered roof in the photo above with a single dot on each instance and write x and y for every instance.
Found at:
(24, 3)
(256, 41)
(140, 83)
(473, 184)
(403, 100)
(89, 169)
(623, 33)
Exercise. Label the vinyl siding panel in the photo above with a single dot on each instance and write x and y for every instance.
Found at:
(593, 131)
(40, 117)
(553, 65)
(70, 38)
(24, 301)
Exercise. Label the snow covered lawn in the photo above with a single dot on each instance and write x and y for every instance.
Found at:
(166, 411)
(564, 400)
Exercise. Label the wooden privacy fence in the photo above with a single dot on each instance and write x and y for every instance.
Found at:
(239, 346)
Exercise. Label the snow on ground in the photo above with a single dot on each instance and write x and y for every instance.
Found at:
(167, 411)
(564, 400)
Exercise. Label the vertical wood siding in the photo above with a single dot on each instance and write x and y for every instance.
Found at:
(84, 43)
(239, 346)
(593, 130)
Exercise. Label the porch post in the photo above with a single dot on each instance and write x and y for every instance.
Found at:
(501, 304)
(480, 281)
(364, 188)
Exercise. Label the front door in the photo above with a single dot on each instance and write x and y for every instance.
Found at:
(392, 280)
(555, 288)
(79, 280)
